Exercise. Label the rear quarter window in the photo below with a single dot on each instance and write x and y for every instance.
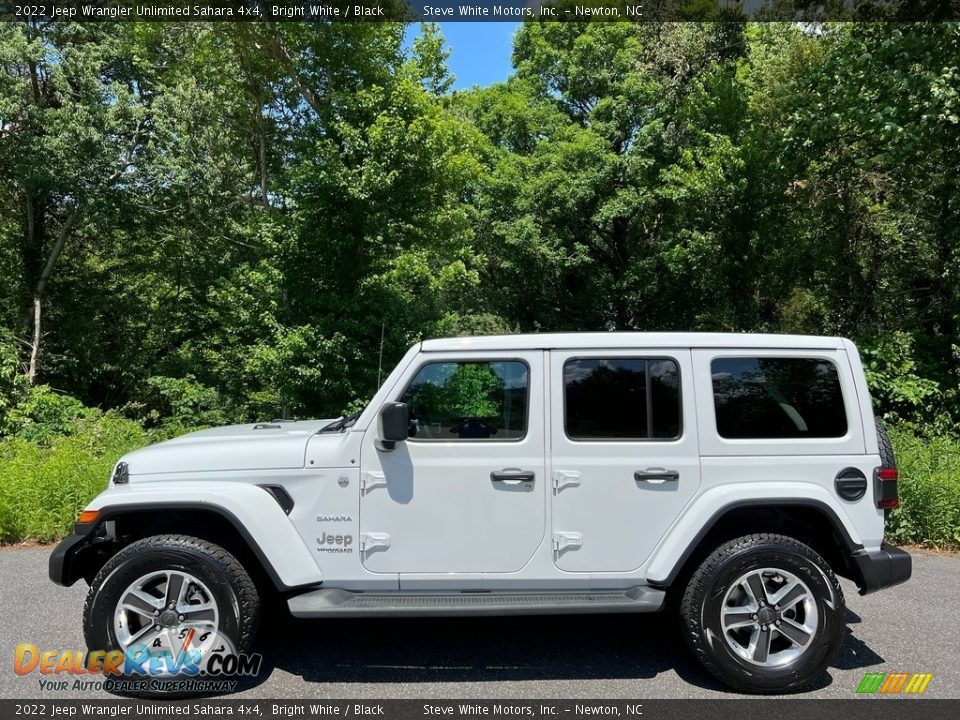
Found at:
(777, 397)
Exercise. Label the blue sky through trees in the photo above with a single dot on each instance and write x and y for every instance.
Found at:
(479, 51)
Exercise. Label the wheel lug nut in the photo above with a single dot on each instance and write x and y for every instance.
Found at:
(181, 617)
(171, 606)
(776, 607)
(778, 623)
(754, 616)
(156, 627)
(156, 612)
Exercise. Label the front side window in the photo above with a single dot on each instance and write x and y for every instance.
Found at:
(469, 401)
(621, 399)
(762, 398)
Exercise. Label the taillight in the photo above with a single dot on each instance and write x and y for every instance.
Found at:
(885, 487)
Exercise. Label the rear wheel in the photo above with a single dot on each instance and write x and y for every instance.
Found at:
(764, 614)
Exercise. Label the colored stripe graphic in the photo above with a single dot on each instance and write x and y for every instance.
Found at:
(894, 683)
(923, 679)
(897, 684)
(871, 682)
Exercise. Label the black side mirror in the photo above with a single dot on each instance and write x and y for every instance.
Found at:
(394, 424)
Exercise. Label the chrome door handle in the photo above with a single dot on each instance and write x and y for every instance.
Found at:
(656, 474)
(512, 475)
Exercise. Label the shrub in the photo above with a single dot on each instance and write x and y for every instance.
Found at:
(176, 405)
(905, 393)
(44, 486)
(43, 415)
(12, 380)
(33, 412)
(929, 512)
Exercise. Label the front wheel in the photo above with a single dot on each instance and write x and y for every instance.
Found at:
(764, 613)
(170, 603)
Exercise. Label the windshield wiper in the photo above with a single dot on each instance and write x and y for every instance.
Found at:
(343, 423)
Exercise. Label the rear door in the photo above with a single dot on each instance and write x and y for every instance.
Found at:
(466, 492)
(623, 451)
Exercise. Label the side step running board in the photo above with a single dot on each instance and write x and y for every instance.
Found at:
(334, 602)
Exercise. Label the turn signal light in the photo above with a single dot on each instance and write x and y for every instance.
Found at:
(87, 517)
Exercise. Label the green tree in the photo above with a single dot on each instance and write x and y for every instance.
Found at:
(71, 128)
(597, 162)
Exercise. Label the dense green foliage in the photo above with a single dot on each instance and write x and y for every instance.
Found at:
(202, 224)
(218, 222)
(44, 486)
(929, 513)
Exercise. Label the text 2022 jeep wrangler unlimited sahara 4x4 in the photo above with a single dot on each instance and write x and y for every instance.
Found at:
(555, 473)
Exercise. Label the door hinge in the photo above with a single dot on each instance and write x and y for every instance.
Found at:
(562, 478)
(564, 540)
(370, 541)
(372, 479)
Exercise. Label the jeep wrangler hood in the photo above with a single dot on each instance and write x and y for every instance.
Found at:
(264, 446)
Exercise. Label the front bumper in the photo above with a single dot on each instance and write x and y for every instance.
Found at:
(882, 568)
(61, 564)
(79, 554)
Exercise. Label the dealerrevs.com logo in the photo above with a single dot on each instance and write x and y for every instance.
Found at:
(208, 668)
(894, 683)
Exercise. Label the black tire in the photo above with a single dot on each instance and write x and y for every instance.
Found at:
(887, 458)
(703, 599)
(235, 593)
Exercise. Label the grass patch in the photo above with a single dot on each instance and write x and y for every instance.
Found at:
(929, 512)
(44, 485)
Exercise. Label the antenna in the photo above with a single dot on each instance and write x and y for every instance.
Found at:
(383, 326)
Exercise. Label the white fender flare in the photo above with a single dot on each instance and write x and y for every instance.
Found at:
(250, 509)
(678, 544)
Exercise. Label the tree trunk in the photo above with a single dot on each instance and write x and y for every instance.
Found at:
(261, 131)
(35, 343)
(280, 52)
(41, 287)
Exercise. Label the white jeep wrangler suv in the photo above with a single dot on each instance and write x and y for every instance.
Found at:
(524, 474)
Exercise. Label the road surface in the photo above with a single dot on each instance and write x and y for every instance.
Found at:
(910, 628)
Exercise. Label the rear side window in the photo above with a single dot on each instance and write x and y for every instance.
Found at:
(761, 398)
(621, 399)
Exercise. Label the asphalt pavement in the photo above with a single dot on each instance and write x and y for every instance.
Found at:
(910, 628)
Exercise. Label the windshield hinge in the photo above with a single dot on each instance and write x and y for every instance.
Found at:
(372, 479)
(371, 541)
(564, 540)
(562, 478)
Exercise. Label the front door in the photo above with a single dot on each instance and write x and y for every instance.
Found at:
(624, 453)
(465, 493)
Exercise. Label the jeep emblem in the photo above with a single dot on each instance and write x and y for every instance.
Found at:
(342, 540)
